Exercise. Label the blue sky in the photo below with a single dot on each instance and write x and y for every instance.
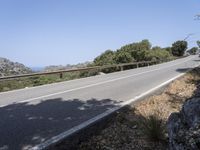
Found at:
(53, 32)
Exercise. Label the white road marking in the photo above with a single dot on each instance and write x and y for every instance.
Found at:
(91, 85)
(52, 84)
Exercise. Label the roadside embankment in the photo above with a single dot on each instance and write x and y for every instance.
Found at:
(143, 125)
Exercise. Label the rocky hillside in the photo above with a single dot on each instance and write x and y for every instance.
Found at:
(8, 67)
(68, 66)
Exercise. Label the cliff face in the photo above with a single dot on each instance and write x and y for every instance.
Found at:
(8, 67)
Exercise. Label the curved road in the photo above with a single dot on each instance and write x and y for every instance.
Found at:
(34, 115)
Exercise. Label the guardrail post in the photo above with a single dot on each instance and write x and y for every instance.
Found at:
(121, 68)
(61, 75)
(137, 65)
(98, 70)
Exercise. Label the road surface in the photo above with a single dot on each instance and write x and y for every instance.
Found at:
(33, 115)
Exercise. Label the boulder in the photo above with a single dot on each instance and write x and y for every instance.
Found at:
(184, 127)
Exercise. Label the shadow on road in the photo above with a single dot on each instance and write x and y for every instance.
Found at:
(197, 60)
(23, 125)
(183, 70)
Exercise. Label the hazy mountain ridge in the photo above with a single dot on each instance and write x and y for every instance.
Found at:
(8, 67)
(65, 67)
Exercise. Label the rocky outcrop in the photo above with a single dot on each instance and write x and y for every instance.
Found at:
(8, 67)
(184, 127)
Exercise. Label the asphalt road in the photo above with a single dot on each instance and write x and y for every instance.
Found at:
(33, 115)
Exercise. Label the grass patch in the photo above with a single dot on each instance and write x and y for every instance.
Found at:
(7, 85)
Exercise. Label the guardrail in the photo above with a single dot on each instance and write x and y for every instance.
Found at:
(99, 68)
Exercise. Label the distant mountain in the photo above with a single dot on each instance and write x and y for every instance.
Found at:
(61, 67)
(8, 67)
(37, 69)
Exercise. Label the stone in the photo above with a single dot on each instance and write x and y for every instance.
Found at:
(184, 127)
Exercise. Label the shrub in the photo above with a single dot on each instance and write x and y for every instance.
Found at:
(123, 57)
(157, 54)
(154, 128)
(179, 48)
(106, 58)
(169, 49)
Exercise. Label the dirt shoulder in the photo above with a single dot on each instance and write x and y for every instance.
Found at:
(135, 128)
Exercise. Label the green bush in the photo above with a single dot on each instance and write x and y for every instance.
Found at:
(43, 79)
(106, 58)
(157, 54)
(169, 49)
(123, 57)
(140, 51)
(179, 48)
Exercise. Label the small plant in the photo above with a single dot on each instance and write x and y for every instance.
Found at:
(154, 128)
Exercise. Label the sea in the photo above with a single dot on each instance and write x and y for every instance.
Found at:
(37, 69)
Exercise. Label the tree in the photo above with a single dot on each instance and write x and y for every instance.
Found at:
(106, 58)
(156, 48)
(122, 57)
(198, 43)
(139, 55)
(179, 48)
(193, 51)
(157, 54)
(169, 49)
(143, 45)
(139, 51)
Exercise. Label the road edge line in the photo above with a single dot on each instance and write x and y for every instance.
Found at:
(49, 84)
(77, 128)
(88, 86)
